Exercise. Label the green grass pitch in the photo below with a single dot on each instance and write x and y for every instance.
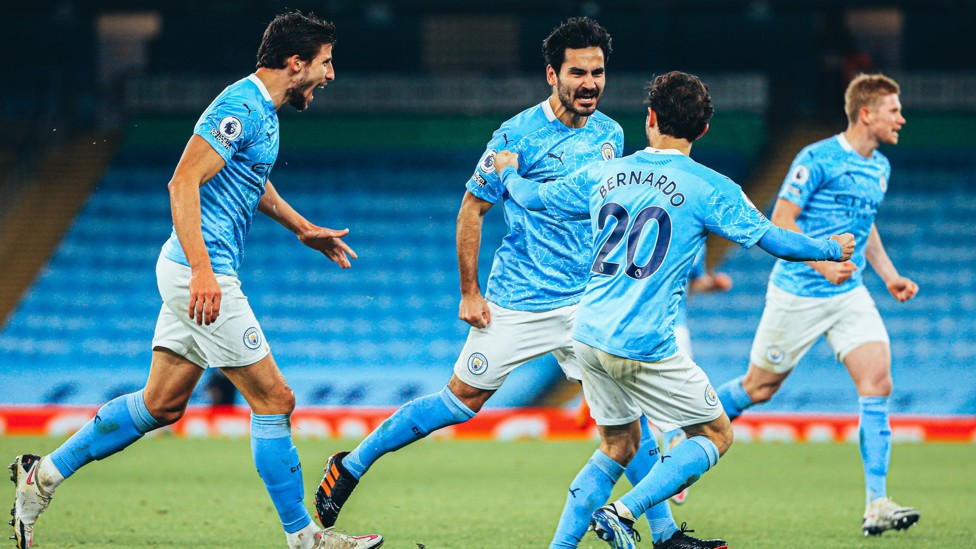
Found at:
(166, 492)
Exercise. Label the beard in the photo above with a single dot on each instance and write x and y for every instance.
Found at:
(295, 96)
(296, 99)
(567, 97)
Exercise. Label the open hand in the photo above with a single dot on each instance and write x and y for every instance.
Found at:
(329, 242)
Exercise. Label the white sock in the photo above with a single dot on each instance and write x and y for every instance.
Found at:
(304, 538)
(622, 510)
(48, 476)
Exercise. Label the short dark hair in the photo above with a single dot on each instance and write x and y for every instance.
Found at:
(293, 33)
(575, 33)
(682, 104)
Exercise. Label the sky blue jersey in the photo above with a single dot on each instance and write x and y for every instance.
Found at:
(541, 264)
(650, 213)
(242, 126)
(838, 191)
(696, 271)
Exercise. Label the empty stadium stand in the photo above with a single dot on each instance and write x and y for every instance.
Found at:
(387, 330)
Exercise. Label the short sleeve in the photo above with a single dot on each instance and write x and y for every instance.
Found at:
(227, 126)
(485, 182)
(568, 198)
(804, 178)
(731, 214)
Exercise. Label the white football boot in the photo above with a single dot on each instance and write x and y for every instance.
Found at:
(883, 514)
(31, 499)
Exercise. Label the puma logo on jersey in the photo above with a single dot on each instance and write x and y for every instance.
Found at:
(559, 158)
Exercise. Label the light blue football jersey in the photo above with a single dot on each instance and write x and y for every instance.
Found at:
(838, 191)
(541, 263)
(650, 213)
(696, 271)
(241, 124)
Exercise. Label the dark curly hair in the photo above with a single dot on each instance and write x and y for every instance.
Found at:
(575, 33)
(293, 33)
(682, 104)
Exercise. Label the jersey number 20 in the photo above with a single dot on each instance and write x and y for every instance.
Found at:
(618, 212)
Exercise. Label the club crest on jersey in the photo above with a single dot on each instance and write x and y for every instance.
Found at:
(883, 183)
(710, 397)
(607, 151)
(774, 354)
(487, 163)
(477, 364)
(252, 338)
(800, 174)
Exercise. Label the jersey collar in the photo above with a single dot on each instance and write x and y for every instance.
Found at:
(844, 143)
(652, 150)
(547, 109)
(257, 82)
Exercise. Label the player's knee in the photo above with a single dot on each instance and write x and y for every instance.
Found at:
(166, 414)
(284, 400)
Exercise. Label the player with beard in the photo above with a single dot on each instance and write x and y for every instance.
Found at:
(538, 275)
(205, 320)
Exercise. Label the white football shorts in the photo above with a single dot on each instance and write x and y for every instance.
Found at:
(791, 324)
(672, 393)
(514, 338)
(234, 340)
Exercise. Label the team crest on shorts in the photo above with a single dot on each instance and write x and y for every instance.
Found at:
(774, 354)
(710, 397)
(252, 338)
(607, 151)
(477, 364)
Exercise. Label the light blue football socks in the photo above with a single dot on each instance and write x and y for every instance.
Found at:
(278, 464)
(679, 469)
(875, 438)
(412, 422)
(120, 422)
(734, 398)
(589, 490)
(659, 517)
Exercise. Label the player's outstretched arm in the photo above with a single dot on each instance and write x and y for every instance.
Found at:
(900, 287)
(794, 246)
(784, 215)
(473, 308)
(522, 190)
(199, 163)
(328, 241)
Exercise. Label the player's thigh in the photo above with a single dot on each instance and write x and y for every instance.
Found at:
(609, 403)
(510, 340)
(789, 326)
(869, 365)
(672, 393)
(263, 386)
(858, 323)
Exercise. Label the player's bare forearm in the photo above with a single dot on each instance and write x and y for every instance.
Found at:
(878, 258)
(275, 207)
(469, 223)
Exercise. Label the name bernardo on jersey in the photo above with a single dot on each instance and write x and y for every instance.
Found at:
(662, 183)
